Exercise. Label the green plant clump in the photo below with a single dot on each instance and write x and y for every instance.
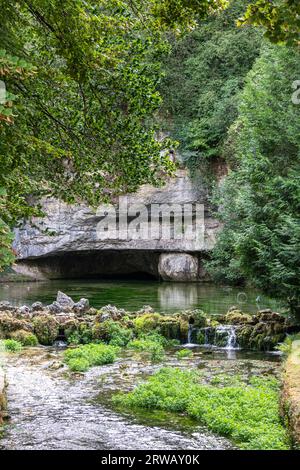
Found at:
(11, 345)
(25, 338)
(153, 344)
(184, 353)
(287, 345)
(248, 414)
(89, 355)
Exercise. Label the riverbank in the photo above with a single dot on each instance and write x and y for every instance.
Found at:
(291, 391)
(2, 395)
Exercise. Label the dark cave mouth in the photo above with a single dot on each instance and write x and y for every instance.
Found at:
(105, 265)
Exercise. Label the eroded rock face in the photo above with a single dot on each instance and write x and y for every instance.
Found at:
(179, 267)
(65, 243)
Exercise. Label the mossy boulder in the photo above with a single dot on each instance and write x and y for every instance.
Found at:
(46, 328)
(101, 331)
(9, 323)
(26, 338)
(147, 322)
(196, 317)
(236, 317)
(261, 337)
(70, 327)
(169, 327)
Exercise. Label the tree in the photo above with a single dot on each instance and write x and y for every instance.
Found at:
(260, 199)
(82, 127)
(280, 18)
(204, 75)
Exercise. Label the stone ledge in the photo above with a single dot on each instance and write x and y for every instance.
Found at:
(290, 402)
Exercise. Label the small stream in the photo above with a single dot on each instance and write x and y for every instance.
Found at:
(51, 409)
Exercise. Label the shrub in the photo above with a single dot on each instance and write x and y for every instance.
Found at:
(286, 346)
(11, 345)
(249, 414)
(112, 332)
(90, 355)
(79, 364)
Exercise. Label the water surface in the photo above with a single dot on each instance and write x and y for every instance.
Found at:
(132, 295)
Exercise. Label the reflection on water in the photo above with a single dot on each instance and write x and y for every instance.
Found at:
(132, 295)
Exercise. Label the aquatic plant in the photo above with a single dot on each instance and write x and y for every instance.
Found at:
(89, 355)
(184, 353)
(153, 344)
(11, 345)
(248, 414)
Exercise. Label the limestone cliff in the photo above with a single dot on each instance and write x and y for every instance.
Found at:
(65, 243)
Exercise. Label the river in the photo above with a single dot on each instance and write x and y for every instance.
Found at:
(50, 408)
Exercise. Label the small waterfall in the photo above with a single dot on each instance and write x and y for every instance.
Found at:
(190, 333)
(223, 336)
(232, 342)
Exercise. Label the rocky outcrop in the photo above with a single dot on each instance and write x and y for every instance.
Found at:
(261, 332)
(66, 241)
(179, 267)
(66, 319)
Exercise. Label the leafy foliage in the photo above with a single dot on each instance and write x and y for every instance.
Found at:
(281, 19)
(261, 198)
(204, 75)
(249, 414)
(152, 343)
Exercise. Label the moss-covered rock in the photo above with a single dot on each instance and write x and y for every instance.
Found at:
(9, 323)
(237, 317)
(26, 338)
(196, 317)
(147, 322)
(169, 327)
(46, 328)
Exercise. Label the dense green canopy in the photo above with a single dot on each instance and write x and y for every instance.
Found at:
(204, 75)
(260, 199)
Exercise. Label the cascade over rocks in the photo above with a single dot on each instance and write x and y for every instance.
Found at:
(77, 321)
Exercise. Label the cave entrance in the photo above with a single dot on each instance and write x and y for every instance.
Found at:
(122, 265)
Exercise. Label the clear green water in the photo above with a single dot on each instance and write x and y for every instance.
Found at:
(132, 295)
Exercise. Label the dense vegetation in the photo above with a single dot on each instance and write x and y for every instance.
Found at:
(248, 414)
(204, 75)
(260, 198)
(228, 100)
(79, 117)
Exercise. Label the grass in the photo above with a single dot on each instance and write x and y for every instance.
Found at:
(248, 414)
(89, 355)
